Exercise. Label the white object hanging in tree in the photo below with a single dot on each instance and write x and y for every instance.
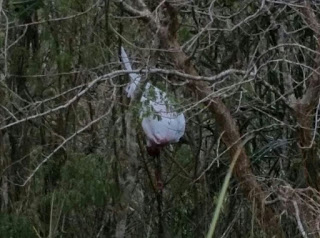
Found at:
(160, 122)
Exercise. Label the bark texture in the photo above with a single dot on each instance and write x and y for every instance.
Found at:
(306, 109)
(266, 216)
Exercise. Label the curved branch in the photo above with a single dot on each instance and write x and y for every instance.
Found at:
(231, 136)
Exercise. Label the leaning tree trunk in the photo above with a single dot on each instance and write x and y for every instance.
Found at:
(167, 33)
(306, 110)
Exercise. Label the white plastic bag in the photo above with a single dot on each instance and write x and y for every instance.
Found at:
(160, 122)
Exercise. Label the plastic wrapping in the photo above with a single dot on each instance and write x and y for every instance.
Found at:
(160, 122)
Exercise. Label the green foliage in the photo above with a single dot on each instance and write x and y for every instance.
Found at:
(184, 34)
(15, 226)
(84, 183)
(66, 6)
(64, 61)
(17, 55)
(93, 54)
(184, 154)
(79, 194)
(23, 9)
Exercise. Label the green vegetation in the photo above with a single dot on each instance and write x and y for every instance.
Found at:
(73, 161)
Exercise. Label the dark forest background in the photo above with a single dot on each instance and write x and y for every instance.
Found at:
(73, 161)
